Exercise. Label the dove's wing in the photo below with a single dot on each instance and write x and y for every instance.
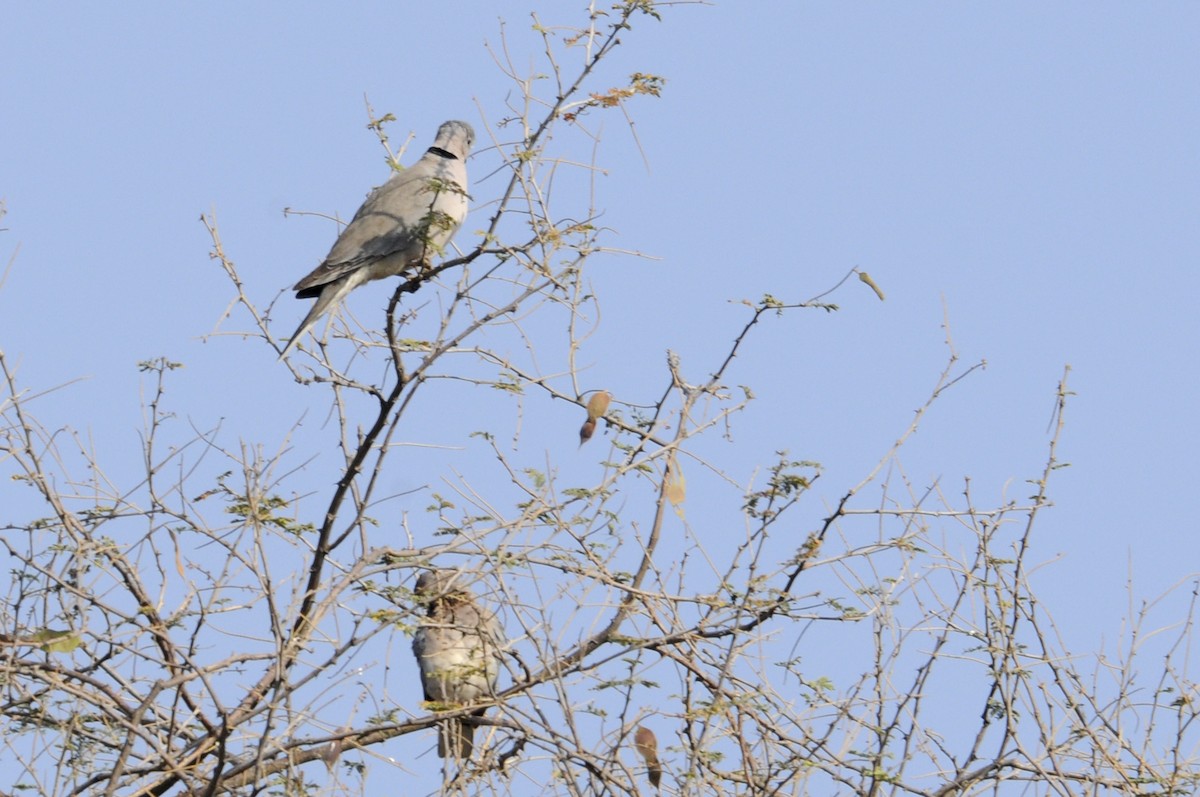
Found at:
(401, 223)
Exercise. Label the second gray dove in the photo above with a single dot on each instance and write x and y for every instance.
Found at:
(400, 225)
(457, 646)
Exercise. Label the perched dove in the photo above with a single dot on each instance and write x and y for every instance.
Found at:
(458, 651)
(400, 225)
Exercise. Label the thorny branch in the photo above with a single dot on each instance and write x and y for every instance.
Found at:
(190, 632)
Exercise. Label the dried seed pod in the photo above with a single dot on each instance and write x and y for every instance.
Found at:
(646, 744)
(598, 405)
(586, 431)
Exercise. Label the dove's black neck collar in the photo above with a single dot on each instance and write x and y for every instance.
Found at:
(441, 153)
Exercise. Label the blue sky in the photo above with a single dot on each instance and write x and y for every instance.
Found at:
(1029, 171)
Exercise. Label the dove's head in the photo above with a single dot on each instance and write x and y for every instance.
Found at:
(433, 584)
(456, 138)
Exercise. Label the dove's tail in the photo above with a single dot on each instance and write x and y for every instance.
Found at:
(456, 738)
(331, 295)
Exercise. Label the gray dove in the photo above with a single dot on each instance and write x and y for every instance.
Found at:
(458, 652)
(400, 225)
